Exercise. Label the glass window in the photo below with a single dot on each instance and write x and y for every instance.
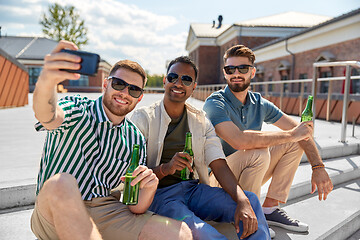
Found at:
(259, 79)
(324, 86)
(270, 86)
(355, 82)
(286, 87)
(34, 73)
(82, 82)
(303, 76)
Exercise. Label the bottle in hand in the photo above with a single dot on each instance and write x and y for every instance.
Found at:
(131, 193)
(307, 114)
(185, 173)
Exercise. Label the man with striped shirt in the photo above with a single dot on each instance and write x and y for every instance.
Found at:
(86, 153)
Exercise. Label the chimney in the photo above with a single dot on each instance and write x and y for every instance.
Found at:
(0, 31)
(213, 24)
(220, 18)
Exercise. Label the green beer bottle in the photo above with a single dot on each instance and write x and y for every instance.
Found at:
(307, 114)
(185, 173)
(131, 193)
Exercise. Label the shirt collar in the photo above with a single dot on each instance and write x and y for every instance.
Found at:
(236, 102)
(99, 112)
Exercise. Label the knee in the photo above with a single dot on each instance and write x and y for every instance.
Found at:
(61, 185)
(262, 158)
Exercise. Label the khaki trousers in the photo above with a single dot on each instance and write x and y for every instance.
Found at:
(253, 168)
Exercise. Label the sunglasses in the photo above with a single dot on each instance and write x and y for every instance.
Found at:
(244, 68)
(119, 84)
(173, 77)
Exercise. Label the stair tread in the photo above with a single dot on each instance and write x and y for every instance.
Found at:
(334, 167)
(323, 216)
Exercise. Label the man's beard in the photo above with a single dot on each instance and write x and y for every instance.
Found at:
(118, 111)
(239, 87)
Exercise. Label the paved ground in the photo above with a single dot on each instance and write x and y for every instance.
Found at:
(21, 146)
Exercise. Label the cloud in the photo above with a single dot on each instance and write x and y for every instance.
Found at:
(116, 30)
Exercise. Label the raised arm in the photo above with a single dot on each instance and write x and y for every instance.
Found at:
(45, 107)
(319, 179)
(249, 139)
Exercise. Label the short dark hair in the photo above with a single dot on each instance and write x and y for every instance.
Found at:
(240, 51)
(184, 59)
(129, 65)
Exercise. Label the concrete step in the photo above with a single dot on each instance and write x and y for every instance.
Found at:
(340, 170)
(355, 236)
(336, 218)
(329, 148)
(15, 223)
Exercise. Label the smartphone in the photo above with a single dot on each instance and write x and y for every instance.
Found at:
(89, 62)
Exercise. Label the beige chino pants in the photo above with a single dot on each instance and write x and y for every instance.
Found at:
(253, 168)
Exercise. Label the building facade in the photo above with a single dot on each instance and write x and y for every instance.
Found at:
(286, 46)
(31, 51)
(292, 57)
(207, 43)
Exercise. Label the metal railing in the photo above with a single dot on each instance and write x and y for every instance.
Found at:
(202, 91)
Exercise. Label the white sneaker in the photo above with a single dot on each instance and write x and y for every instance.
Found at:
(272, 233)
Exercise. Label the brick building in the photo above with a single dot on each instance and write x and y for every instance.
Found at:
(30, 52)
(286, 47)
(207, 43)
(292, 57)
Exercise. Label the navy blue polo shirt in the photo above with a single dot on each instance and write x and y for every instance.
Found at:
(222, 106)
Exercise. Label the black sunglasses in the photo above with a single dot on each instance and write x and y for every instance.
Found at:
(244, 68)
(119, 84)
(173, 77)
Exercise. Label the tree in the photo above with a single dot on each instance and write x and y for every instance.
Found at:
(155, 80)
(64, 23)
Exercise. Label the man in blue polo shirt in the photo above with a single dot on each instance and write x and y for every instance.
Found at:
(255, 156)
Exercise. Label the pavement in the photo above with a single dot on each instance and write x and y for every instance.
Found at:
(21, 148)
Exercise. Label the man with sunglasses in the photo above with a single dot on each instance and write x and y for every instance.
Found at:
(86, 153)
(164, 125)
(253, 155)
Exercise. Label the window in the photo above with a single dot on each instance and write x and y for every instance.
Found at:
(286, 87)
(259, 79)
(355, 82)
(324, 86)
(303, 76)
(34, 73)
(270, 86)
(82, 82)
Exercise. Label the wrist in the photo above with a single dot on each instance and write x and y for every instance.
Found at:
(45, 82)
(317, 166)
(161, 170)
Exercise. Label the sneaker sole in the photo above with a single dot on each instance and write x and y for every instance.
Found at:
(287, 227)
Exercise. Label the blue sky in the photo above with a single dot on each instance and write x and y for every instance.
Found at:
(153, 31)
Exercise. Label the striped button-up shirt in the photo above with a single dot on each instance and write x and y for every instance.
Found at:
(89, 147)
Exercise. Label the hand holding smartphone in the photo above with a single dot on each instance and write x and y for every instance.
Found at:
(89, 62)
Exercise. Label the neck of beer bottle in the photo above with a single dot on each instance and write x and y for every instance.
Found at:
(134, 159)
(188, 141)
(309, 103)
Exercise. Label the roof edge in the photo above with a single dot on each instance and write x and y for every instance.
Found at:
(13, 60)
(341, 17)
